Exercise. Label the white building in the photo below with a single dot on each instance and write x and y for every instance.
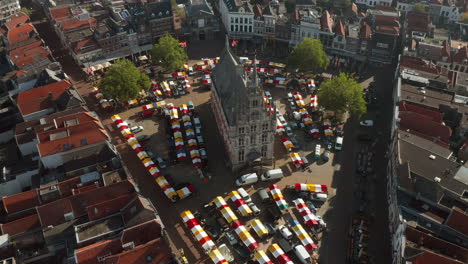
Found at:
(238, 18)
(8, 7)
(404, 7)
(373, 3)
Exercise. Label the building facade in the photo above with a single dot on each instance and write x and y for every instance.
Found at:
(8, 8)
(246, 129)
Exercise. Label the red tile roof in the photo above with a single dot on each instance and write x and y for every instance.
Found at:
(91, 253)
(88, 43)
(109, 207)
(339, 29)
(436, 244)
(38, 99)
(395, 31)
(75, 23)
(257, 10)
(428, 257)
(20, 33)
(418, 22)
(433, 115)
(142, 233)
(423, 124)
(326, 22)
(65, 187)
(365, 32)
(153, 252)
(461, 56)
(16, 20)
(458, 220)
(87, 188)
(60, 13)
(74, 135)
(417, 64)
(21, 225)
(445, 49)
(21, 201)
(53, 213)
(29, 54)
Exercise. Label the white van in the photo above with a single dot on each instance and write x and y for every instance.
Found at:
(244, 195)
(302, 254)
(339, 143)
(321, 197)
(196, 122)
(272, 175)
(247, 179)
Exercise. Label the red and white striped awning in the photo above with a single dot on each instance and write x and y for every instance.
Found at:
(166, 187)
(298, 99)
(185, 192)
(279, 127)
(183, 109)
(314, 102)
(278, 197)
(244, 235)
(175, 126)
(287, 143)
(310, 218)
(200, 235)
(302, 235)
(166, 88)
(296, 159)
(320, 188)
(175, 74)
(279, 254)
(241, 205)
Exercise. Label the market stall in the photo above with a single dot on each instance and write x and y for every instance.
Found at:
(319, 188)
(174, 74)
(185, 192)
(306, 118)
(314, 102)
(296, 159)
(279, 127)
(217, 257)
(278, 197)
(100, 97)
(287, 143)
(298, 99)
(166, 88)
(327, 128)
(197, 231)
(241, 205)
(226, 211)
(302, 235)
(131, 103)
(166, 188)
(244, 236)
(173, 113)
(310, 218)
(279, 254)
(184, 109)
(261, 257)
(259, 228)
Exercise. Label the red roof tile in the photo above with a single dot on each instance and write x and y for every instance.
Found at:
(91, 253)
(153, 252)
(75, 23)
(428, 257)
(21, 201)
(20, 33)
(142, 233)
(326, 22)
(417, 64)
(53, 213)
(21, 225)
(461, 56)
(458, 220)
(92, 132)
(38, 99)
(29, 54)
(109, 207)
(66, 187)
(339, 29)
(365, 32)
(436, 244)
(87, 188)
(418, 22)
(424, 125)
(445, 49)
(89, 43)
(60, 13)
(433, 115)
(16, 20)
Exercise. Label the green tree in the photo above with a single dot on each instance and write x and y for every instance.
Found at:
(420, 8)
(123, 81)
(168, 53)
(464, 18)
(308, 56)
(342, 93)
(26, 11)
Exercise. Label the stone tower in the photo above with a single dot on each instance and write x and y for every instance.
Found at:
(237, 102)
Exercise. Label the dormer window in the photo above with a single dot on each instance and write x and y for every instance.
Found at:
(167, 12)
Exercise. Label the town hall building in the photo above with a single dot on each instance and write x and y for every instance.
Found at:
(237, 102)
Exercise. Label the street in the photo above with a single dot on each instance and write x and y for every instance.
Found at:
(339, 173)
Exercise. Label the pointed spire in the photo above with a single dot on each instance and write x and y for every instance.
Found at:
(254, 72)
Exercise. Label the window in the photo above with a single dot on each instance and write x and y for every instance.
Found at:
(240, 20)
(265, 126)
(232, 28)
(250, 28)
(241, 142)
(237, 28)
(264, 150)
(245, 28)
(237, 20)
(255, 103)
(250, 20)
(241, 130)
(253, 139)
(264, 138)
(241, 155)
(232, 20)
(253, 128)
(255, 115)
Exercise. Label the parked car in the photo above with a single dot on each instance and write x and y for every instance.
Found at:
(270, 227)
(225, 226)
(255, 209)
(244, 195)
(293, 106)
(289, 132)
(367, 123)
(265, 198)
(181, 90)
(285, 232)
(268, 95)
(161, 162)
(175, 92)
(203, 153)
(136, 129)
(231, 239)
(290, 97)
(143, 138)
(190, 106)
(326, 155)
(321, 197)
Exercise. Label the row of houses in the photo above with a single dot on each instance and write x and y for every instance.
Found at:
(65, 195)
(427, 172)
